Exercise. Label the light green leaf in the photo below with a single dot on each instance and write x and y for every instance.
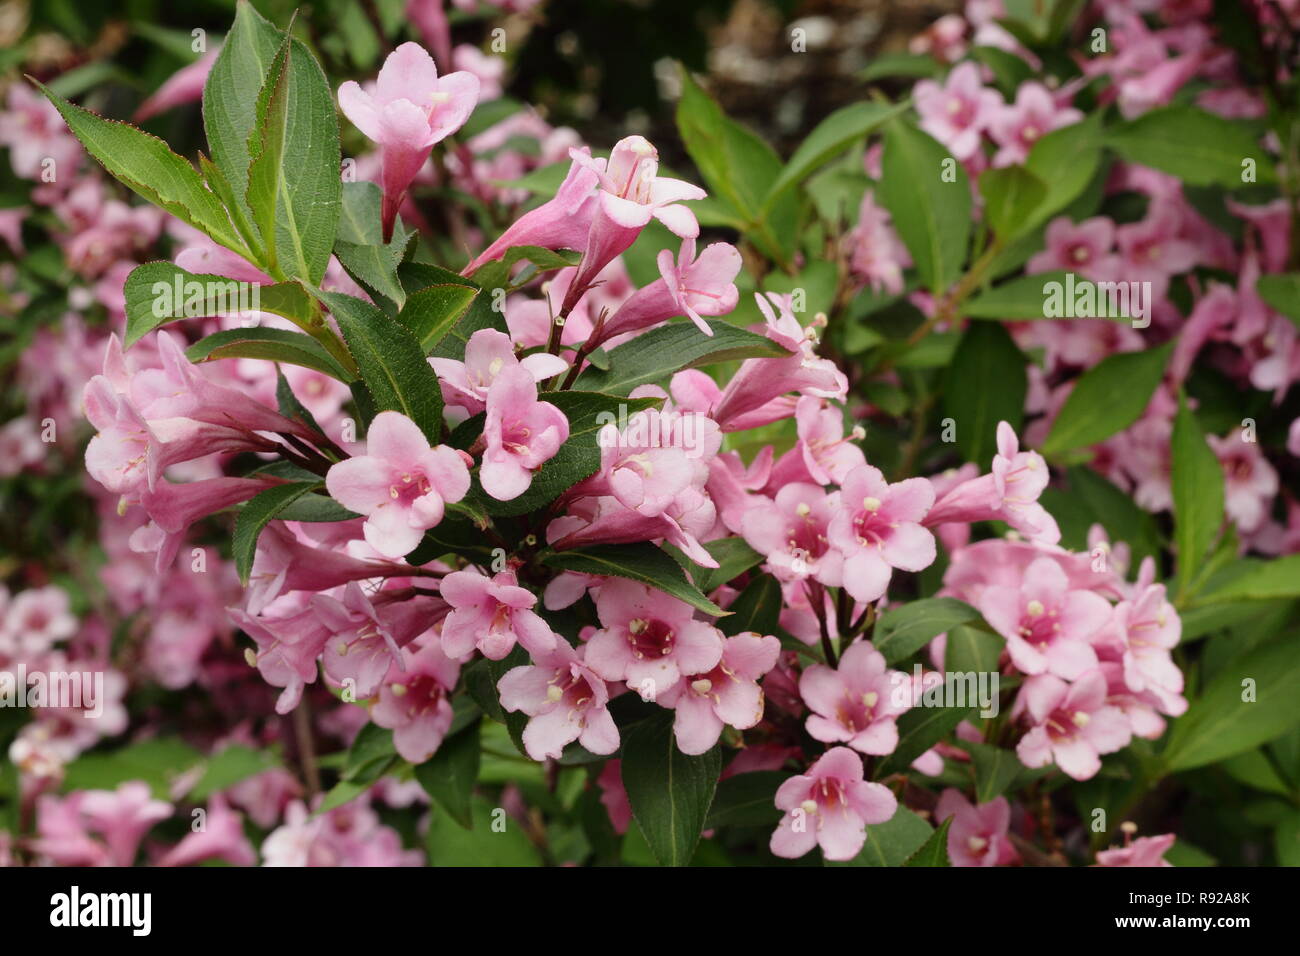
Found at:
(1196, 146)
(928, 195)
(904, 630)
(256, 514)
(274, 345)
(1197, 483)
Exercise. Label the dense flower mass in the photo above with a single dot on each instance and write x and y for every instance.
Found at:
(936, 483)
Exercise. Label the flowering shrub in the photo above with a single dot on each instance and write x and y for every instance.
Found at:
(462, 492)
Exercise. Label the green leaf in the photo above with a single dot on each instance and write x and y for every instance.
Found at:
(1195, 146)
(1023, 298)
(255, 515)
(734, 558)
(904, 630)
(1065, 161)
(431, 312)
(479, 315)
(837, 132)
(893, 842)
(1107, 398)
(1281, 292)
(640, 561)
(662, 352)
(986, 383)
(360, 246)
(314, 508)
(995, 769)
(391, 361)
(739, 168)
(934, 852)
(1011, 196)
(1220, 723)
(757, 608)
(230, 766)
(1257, 581)
(1117, 512)
(274, 345)
(159, 762)
(972, 649)
(931, 213)
(747, 800)
(450, 774)
(450, 844)
(1197, 483)
(917, 66)
(294, 182)
(231, 93)
(919, 729)
(158, 292)
(670, 792)
(145, 164)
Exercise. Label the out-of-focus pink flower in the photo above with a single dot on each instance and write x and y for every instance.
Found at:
(221, 838)
(1144, 851)
(1085, 248)
(876, 253)
(830, 805)
(1018, 126)
(183, 86)
(1250, 482)
(958, 111)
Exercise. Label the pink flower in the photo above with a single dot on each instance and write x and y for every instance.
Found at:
(183, 86)
(565, 701)
(410, 111)
(289, 644)
(1151, 251)
(490, 614)
(1018, 126)
(606, 520)
(1071, 724)
(878, 529)
(1047, 625)
(221, 838)
(1250, 482)
(958, 111)
(690, 286)
(653, 459)
(858, 702)
(1085, 248)
(649, 639)
(365, 635)
(613, 796)
(792, 533)
(631, 193)
(563, 222)
(877, 254)
(487, 354)
(413, 702)
(1008, 493)
(34, 621)
(978, 835)
(726, 695)
(830, 806)
(823, 453)
(401, 485)
(521, 434)
(1149, 629)
(123, 816)
(1144, 851)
